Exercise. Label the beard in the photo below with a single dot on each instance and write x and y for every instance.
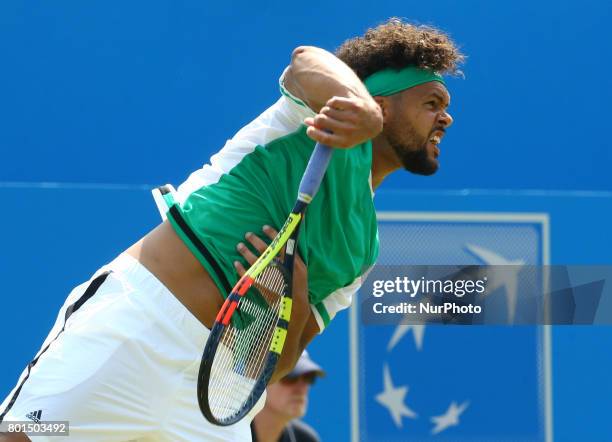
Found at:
(411, 150)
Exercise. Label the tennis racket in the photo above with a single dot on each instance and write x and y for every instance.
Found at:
(249, 332)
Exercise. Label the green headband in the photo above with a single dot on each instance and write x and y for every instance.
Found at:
(391, 81)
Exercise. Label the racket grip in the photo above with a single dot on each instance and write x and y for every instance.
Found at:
(315, 171)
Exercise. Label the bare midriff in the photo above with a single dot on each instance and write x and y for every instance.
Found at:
(167, 257)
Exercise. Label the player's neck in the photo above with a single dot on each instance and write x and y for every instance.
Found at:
(384, 160)
(269, 425)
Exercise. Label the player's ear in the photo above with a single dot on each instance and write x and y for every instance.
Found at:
(384, 104)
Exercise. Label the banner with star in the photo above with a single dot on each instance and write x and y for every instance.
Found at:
(453, 383)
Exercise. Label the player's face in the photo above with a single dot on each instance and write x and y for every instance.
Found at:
(290, 398)
(416, 123)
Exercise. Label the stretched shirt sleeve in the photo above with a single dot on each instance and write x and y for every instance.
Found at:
(308, 112)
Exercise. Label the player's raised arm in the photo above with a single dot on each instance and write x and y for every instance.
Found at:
(346, 113)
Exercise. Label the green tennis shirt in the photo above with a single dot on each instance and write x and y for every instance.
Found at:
(254, 180)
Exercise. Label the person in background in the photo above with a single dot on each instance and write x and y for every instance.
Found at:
(286, 403)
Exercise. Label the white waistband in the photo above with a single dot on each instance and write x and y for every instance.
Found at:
(158, 295)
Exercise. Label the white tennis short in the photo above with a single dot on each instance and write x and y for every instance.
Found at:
(120, 364)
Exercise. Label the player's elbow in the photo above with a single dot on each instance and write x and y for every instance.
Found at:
(301, 51)
(308, 76)
(287, 363)
(297, 52)
(280, 372)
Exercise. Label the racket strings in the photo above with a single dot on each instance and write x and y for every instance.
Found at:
(240, 368)
(244, 346)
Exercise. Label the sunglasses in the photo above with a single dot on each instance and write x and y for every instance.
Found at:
(308, 378)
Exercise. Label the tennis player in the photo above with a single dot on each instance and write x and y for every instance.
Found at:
(121, 361)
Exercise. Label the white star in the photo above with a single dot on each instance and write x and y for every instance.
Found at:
(507, 278)
(417, 333)
(450, 418)
(393, 399)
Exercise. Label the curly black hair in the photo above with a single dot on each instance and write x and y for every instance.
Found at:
(396, 44)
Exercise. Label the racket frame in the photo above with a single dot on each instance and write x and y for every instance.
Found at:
(288, 235)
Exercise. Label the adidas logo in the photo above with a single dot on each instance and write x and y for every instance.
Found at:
(35, 416)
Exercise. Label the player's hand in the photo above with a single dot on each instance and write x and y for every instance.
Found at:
(300, 307)
(300, 272)
(345, 122)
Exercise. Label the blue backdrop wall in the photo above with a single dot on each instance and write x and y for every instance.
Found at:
(145, 91)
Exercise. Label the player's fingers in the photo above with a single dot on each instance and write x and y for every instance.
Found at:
(342, 115)
(326, 138)
(342, 103)
(259, 244)
(239, 268)
(246, 253)
(322, 121)
(269, 231)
